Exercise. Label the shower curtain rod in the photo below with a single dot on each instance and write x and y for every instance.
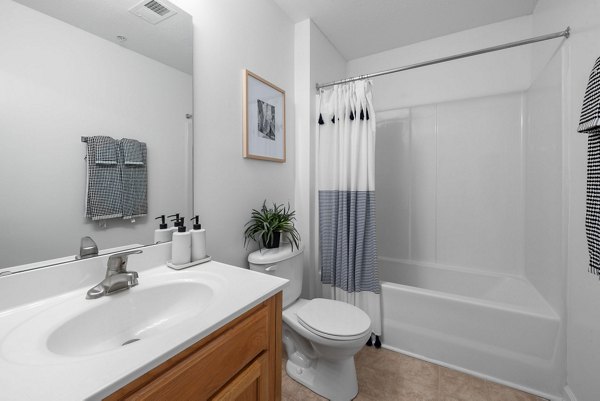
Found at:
(541, 38)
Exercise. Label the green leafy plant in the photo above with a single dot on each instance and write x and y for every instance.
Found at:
(265, 223)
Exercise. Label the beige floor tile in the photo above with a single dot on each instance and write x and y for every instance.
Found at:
(416, 370)
(377, 384)
(413, 391)
(398, 366)
(362, 397)
(391, 378)
(366, 357)
(498, 392)
(461, 387)
(376, 380)
(384, 375)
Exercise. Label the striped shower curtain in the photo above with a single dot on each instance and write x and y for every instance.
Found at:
(346, 184)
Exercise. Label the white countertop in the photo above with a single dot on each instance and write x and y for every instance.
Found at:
(29, 371)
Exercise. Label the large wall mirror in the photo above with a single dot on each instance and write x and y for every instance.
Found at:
(75, 68)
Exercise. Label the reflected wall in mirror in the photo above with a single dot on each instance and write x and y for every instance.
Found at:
(72, 68)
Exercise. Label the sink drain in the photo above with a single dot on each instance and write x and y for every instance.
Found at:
(130, 341)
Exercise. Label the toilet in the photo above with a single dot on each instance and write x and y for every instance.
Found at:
(320, 336)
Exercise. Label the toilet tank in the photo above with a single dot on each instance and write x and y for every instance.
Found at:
(281, 262)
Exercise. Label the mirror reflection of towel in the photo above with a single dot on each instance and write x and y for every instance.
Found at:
(106, 150)
(104, 185)
(133, 151)
(117, 179)
(589, 123)
(134, 178)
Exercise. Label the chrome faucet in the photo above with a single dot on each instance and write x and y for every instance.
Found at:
(117, 277)
(87, 248)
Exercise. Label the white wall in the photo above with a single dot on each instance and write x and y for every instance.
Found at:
(316, 60)
(59, 83)
(230, 36)
(576, 57)
(489, 74)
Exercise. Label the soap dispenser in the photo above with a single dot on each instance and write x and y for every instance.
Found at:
(198, 241)
(163, 233)
(177, 222)
(181, 248)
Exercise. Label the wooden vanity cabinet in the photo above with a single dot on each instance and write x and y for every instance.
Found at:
(239, 362)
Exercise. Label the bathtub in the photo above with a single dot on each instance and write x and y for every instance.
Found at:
(492, 326)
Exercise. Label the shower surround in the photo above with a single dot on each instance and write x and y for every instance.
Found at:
(462, 191)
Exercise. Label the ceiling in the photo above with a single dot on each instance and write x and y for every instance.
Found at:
(358, 28)
(169, 41)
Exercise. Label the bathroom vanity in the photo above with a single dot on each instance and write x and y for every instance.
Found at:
(239, 361)
(212, 331)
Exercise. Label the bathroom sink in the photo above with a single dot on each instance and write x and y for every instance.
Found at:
(129, 317)
(143, 316)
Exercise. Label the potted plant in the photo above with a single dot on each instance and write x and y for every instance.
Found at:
(267, 224)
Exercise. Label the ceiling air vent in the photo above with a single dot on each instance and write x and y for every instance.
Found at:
(153, 11)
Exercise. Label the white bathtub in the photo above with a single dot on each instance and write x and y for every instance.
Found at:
(496, 327)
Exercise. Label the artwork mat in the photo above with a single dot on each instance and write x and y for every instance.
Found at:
(255, 146)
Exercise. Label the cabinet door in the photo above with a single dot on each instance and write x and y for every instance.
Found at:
(251, 384)
(250, 343)
(207, 370)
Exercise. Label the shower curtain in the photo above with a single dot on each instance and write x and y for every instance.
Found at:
(346, 184)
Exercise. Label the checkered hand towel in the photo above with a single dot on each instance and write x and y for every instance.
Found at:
(106, 150)
(135, 178)
(589, 123)
(133, 151)
(104, 188)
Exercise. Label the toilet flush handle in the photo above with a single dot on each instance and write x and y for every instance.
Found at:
(271, 268)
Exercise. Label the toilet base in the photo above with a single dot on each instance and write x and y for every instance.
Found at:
(334, 380)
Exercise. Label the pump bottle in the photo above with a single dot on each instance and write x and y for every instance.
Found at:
(163, 233)
(176, 222)
(181, 246)
(198, 240)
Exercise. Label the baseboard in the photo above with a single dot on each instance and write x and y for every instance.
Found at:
(569, 395)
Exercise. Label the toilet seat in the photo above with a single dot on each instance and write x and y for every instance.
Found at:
(334, 320)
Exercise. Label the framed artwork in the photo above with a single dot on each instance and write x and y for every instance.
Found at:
(264, 119)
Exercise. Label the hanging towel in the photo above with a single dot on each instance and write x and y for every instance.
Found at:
(135, 178)
(133, 151)
(589, 123)
(106, 150)
(104, 188)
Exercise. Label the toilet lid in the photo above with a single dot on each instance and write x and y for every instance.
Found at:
(333, 319)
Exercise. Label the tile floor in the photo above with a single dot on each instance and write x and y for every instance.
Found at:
(384, 375)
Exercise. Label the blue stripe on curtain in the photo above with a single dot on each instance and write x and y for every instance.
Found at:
(347, 236)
